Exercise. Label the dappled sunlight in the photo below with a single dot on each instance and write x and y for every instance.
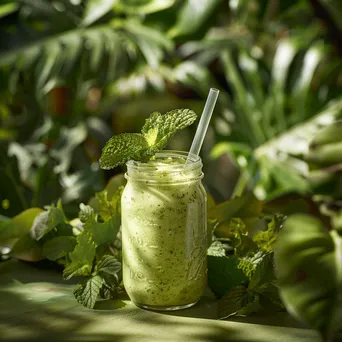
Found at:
(37, 311)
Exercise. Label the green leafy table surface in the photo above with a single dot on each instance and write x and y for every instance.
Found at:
(37, 305)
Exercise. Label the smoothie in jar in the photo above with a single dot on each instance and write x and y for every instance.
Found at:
(164, 232)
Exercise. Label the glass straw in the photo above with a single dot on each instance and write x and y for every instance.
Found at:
(203, 124)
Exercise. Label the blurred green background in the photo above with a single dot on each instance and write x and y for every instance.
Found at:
(74, 72)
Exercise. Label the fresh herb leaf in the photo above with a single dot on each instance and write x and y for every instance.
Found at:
(223, 274)
(109, 265)
(217, 249)
(239, 301)
(108, 202)
(248, 264)
(107, 207)
(58, 247)
(109, 268)
(86, 213)
(123, 147)
(101, 233)
(159, 128)
(251, 307)
(269, 297)
(240, 237)
(81, 257)
(46, 221)
(242, 207)
(266, 239)
(156, 132)
(87, 292)
(263, 273)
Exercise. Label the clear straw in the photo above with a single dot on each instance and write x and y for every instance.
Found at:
(204, 123)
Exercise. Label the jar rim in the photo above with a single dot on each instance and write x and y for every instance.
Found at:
(193, 163)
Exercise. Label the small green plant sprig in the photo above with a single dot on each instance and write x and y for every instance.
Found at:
(88, 246)
(155, 134)
(241, 257)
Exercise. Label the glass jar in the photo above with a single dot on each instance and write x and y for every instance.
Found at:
(164, 238)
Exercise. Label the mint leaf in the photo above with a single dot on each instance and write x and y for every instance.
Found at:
(266, 239)
(58, 247)
(269, 297)
(249, 263)
(251, 307)
(240, 238)
(87, 292)
(108, 207)
(101, 233)
(239, 301)
(223, 274)
(263, 273)
(81, 257)
(108, 202)
(159, 128)
(123, 147)
(86, 213)
(156, 132)
(46, 221)
(109, 268)
(217, 249)
(109, 265)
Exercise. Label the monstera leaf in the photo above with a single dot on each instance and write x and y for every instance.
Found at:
(309, 269)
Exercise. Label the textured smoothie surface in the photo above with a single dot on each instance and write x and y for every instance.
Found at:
(164, 239)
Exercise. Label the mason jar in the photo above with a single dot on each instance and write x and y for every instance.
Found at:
(164, 238)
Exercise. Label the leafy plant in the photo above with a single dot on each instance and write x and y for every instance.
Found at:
(88, 246)
(271, 82)
(309, 255)
(243, 279)
(55, 57)
(309, 269)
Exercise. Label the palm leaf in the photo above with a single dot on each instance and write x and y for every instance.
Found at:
(54, 56)
(270, 101)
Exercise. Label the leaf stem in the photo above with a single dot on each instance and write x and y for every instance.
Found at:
(244, 179)
(17, 190)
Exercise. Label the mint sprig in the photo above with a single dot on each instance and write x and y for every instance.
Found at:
(155, 134)
(87, 292)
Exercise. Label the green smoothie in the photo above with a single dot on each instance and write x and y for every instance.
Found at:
(164, 232)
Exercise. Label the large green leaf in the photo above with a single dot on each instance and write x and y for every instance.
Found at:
(151, 42)
(239, 301)
(81, 257)
(68, 140)
(192, 15)
(27, 249)
(95, 9)
(19, 225)
(309, 268)
(79, 43)
(224, 274)
(46, 222)
(58, 247)
(8, 8)
(334, 8)
(144, 6)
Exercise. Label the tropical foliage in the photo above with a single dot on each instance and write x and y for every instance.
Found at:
(73, 72)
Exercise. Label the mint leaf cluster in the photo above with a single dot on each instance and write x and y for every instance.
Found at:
(156, 132)
(241, 258)
(86, 246)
